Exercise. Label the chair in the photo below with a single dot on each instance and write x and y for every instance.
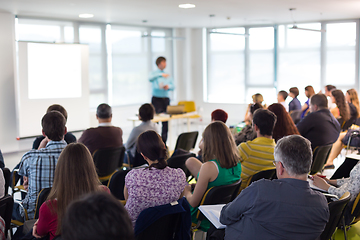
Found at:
(42, 196)
(217, 195)
(178, 161)
(336, 209)
(267, 174)
(138, 160)
(6, 207)
(186, 141)
(7, 176)
(296, 115)
(320, 156)
(14, 181)
(116, 184)
(107, 161)
(347, 124)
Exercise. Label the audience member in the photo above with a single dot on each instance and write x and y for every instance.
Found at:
(155, 185)
(352, 99)
(341, 111)
(284, 125)
(146, 114)
(319, 126)
(162, 84)
(286, 208)
(69, 137)
(258, 155)
(295, 103)
(248, 133)
(281, 97)
(98, 216)
(339, 186)
(38, 166)
(219, 115)
(257, 98)
(75, 175)
(105, 135)
(328, 89)
(309, 91)
(221, 166)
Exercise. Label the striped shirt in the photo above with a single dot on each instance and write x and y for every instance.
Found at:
(39, 167)
(255, 156)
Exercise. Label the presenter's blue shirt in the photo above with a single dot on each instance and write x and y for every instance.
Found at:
(157, 80)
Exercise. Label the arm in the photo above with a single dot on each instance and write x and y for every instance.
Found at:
(304, 125)
(42, 226)
(171, 85)
(207, 172)
(304, 107)
(154, 75)
(232, 212)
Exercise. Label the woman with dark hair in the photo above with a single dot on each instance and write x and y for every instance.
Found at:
(284, 125)
(221, 166)
(155, 185)
(309, 91)
(75, 175)
(341, 111)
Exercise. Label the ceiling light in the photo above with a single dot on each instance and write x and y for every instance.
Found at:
(86, 15)
(187, 5)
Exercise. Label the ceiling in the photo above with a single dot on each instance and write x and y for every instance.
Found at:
(165, 13)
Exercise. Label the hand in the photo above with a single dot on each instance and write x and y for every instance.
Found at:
(34, 232)
(165, 75)
(187, 189)
(26, 183)
(321, 183)
(43, 143)
(166, 87)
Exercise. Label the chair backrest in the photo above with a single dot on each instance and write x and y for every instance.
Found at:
(219, 195)
(41, 198)
(164, 228)
(186, 141)
(320, 156)
(138, 160)
(189, 106)
(336, 209)
(116, 184)
(107, 160)
(6, 207)
(179, 162)
(296, 115)
(266, 174)
(7, 176)
(347, 124)
(355, 211)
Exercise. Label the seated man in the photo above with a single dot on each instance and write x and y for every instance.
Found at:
(146, 113)
(258, 155)
(319, 126)
(69, 137)
(104, 136)
(285, 208)
(295, 103)
(38, 166)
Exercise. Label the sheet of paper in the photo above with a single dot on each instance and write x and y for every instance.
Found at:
(212, 212)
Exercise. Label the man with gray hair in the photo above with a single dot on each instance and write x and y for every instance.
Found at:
(285, 208)
(105, 135)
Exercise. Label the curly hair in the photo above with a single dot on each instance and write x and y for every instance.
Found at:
(284, 125)
(341, 104)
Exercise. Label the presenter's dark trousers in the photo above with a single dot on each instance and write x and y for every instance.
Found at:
(160, 105)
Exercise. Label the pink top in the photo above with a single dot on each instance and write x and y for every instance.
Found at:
(47, 223)
(150, 188)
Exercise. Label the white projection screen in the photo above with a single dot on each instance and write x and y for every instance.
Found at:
(49, 74)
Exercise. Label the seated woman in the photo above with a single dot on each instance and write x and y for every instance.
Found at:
(257, 98)
(353, 101)
(75, 175)
(284, 125)
(248, 133)
(342, 110)
(309, 91)
(155, 185)
(221, 166)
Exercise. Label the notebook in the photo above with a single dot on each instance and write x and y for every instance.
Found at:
(212, 212)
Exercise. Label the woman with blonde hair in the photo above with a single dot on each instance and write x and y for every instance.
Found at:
(352, 98)
(221, 165)
(75, 175)
(257, 98)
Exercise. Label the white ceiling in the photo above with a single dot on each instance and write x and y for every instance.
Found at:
(165, 13)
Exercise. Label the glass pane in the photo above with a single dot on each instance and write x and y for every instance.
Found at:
(69, 34)
(91, 35)
(125, 41)
(261, 38)
(341, 34)
(223, 42)
(38, 33)
(295, 38)
(261, 68)
(96, 99)
(340, 67)
(226, 78)
(158, 44)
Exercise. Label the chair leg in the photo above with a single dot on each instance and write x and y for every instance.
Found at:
(343, 223)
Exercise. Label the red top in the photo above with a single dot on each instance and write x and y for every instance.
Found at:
(47, 223)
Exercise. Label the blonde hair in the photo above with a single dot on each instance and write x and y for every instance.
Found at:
(354, 99)
(257, 98)
(219, 144)
(75, 175)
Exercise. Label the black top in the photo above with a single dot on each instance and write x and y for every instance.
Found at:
(320, 128)
(69, 138)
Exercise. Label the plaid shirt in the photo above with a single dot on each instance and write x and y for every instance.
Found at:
(39, 167)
